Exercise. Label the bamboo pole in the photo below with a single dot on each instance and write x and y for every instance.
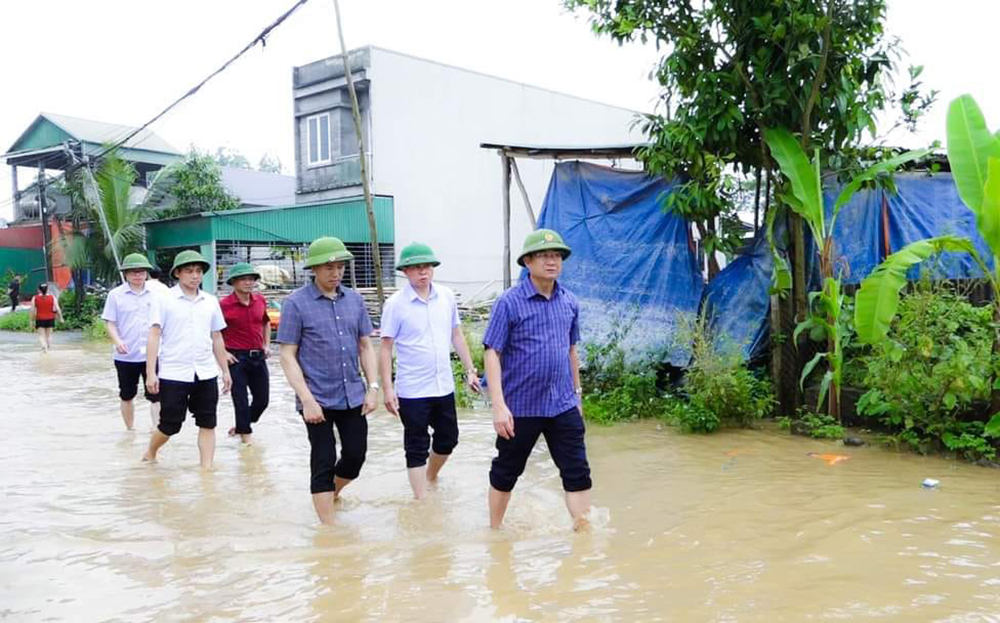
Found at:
(356, 114)
(524, 193)
(505, 161)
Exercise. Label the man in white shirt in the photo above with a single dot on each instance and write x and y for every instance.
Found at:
(186, 334)
(126, 316)
(421, 321)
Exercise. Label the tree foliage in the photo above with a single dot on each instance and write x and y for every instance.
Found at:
(732, 68)
(195, 186)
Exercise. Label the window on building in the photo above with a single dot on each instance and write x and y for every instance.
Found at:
(318, 129)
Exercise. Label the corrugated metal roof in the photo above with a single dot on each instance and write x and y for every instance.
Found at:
(86, 130)
(259, 188)
(347, 219)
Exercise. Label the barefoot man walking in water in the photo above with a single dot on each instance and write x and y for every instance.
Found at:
(185, 333)
(248, 342)
(421, 320)
(533, 374)
(324, 330)
(126, 315)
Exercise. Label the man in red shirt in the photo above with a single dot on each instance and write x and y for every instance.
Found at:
(248, 339)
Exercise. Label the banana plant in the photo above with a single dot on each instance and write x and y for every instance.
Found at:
(804, 195)
(974, 156)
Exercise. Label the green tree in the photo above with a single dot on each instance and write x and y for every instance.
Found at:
(269, 164)
(194, 186)
(734, 68)
(226, 157)
(108, 209)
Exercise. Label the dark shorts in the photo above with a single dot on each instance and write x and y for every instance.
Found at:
(129, 373)
(352, 428)
(419, 413)
(564, 437)
(45, 324)
(201, 397)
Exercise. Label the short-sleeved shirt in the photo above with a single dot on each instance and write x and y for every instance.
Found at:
(186, 326)
(244, 323)
(533, 335)
(421, 331)
(327, 331)
(130, 311)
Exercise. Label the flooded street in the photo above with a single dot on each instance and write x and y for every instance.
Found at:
(739, 526)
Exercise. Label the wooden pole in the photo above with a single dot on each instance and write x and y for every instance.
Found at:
(505, 161)
(356, 113)
(40, 187)
(524, 193)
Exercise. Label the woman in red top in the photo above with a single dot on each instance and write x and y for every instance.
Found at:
(44, 311)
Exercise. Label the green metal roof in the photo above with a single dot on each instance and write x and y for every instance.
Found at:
(299, 224)
(49, 130)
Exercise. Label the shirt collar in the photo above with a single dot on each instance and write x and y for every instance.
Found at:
(317, 293)
(411, 292)
(529, 290)
(236, 299)
(178, 293)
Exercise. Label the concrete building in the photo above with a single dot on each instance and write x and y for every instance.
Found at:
(423, 123)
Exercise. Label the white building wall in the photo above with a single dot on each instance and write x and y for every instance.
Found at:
(427, 122)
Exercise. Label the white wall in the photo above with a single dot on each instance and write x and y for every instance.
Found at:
(427, 123)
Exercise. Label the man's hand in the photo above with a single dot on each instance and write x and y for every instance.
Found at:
(472, 380)
(391, 401)
(227, 382)
(312, 413)
(503, 421)
(121, 347)
(231, 358)
(371, 402)
(152, 384)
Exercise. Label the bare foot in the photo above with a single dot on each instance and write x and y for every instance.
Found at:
(246, 439)
(232, 432)
(581, 524)
(147, 458)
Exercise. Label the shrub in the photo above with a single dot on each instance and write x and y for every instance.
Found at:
(815, 425)
(692, 417)
(16, 321)
(79, 318)
(929, 381)
(96, 331)
(464, 398)
(635, 397)
(718, 381)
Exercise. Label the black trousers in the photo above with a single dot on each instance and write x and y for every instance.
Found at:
(353, 430)
(13, 302)
(249, 373)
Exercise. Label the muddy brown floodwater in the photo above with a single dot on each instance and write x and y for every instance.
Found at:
(739, 526)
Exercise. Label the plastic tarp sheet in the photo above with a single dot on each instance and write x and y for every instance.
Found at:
(927, 206)
(857, 233)
(737, 304)
(631, 265)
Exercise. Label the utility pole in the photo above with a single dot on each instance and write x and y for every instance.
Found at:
(356, 113)
(40, 187)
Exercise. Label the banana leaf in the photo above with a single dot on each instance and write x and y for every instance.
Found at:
(803, 175)
(971, 145)
(876, 302)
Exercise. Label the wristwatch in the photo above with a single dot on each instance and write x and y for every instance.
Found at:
(373, 385)
(579, 391)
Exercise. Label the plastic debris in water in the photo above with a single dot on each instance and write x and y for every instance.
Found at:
(831, 459)
(930, 483)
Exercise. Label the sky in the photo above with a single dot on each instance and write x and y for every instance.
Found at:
(122, 61)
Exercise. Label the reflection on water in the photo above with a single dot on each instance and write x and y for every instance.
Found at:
(740, 526)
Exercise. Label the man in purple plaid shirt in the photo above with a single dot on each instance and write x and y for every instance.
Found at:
(324, 334)
(533, 374)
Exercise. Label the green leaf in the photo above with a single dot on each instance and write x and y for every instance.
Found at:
(873, 171)
(876, 302)
(992, 428)
(806, 325)
(988, 218)
(970, 146)
(809, 368)
(824, 387)
(800, 172)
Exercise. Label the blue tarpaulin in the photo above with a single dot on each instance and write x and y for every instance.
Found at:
(632, 264)
(924, 206)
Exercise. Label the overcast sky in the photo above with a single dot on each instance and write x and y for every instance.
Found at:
(122, 61)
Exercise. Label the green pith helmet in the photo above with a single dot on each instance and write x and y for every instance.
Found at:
(133, 261)
(543, 240)
(189, 257)
(327, 249)
(241, 270)
(416, 253)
